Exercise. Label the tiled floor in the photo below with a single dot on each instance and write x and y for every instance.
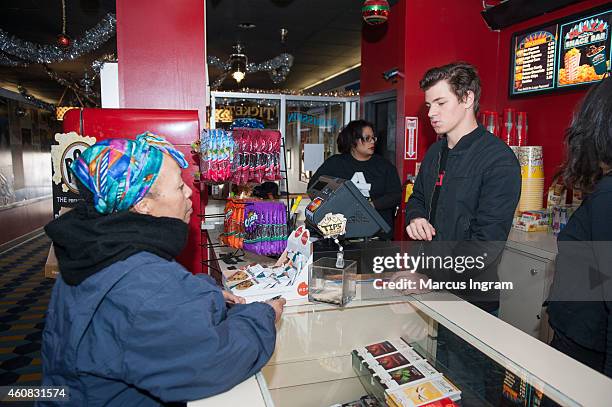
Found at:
(24, 296)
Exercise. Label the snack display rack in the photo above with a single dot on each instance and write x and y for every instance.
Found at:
(215, 215)
(276, 112)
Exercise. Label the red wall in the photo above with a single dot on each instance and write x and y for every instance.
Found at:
(162, 65)
(548, 115)
(161, 52)
(436, 33)
(382, 48)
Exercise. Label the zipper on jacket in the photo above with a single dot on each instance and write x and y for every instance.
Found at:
(435, 182)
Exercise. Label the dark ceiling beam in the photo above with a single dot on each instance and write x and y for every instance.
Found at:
(511, 12)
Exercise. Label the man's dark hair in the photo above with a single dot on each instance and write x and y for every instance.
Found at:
(350, 134)
(588, 140)
(461, 76)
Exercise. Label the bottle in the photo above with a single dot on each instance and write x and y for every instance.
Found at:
(521, 129)
(509, 129)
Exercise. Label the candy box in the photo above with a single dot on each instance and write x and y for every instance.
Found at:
(408, 375)
(405, 356)
(378, 349)
(425, 392)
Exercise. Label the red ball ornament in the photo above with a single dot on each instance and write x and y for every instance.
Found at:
(375, 12)
(63, 40)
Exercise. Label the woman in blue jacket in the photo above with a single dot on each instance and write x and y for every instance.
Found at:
(127, 325)
(580, 303)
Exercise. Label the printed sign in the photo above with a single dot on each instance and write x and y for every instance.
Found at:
(534, 60)
(584, 54)
(332, 225)
(569, 52)
(411, 140)
(228, 113)
(69, 148)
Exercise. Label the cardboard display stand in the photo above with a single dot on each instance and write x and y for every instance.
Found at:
(288, 277)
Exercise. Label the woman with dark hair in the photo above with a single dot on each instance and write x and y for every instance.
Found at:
(356, 144)
(580, 301)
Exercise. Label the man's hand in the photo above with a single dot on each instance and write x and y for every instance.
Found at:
(420, 229)
(278, 306)
(232, 298)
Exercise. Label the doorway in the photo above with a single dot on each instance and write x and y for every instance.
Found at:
(381, 111)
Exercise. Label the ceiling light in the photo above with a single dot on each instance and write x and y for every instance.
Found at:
(284, 33)
(246, 26)
(278, 67)
(238, 63)
(238, 76)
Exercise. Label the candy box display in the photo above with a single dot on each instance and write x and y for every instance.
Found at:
(533, 221)
(397, 375)
(331, 284)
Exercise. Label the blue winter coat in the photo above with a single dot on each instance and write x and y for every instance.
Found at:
(145, 331)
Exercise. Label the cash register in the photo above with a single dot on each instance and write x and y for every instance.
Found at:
(336, 195)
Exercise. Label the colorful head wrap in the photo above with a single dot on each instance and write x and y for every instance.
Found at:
(120, 172)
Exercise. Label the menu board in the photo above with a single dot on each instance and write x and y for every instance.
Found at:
(570, 52)
(534, 60)
(584, 51)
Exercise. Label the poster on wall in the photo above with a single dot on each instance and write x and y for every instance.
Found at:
(68, 148)
(584, 52)
(533, 60)
(573, 51)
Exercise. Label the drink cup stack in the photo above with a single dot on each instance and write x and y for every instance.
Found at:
(532, 174)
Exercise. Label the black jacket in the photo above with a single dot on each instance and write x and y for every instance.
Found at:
(385, 189)
(580, 301)
(481, 189)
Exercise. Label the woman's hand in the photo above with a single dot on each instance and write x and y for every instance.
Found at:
(232, 298)
(278, 306)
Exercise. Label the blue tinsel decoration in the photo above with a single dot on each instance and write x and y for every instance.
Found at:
(247, 124)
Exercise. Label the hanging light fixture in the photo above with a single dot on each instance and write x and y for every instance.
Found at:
(238, 63)
(237, 66)
(61, 110)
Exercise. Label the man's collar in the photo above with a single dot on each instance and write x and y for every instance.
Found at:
(466, 141)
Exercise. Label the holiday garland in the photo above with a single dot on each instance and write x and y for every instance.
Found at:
(18, 52)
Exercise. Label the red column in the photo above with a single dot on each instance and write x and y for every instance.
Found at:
(161, 48)
(161, 52)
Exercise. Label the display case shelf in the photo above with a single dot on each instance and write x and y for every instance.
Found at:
(311, 365)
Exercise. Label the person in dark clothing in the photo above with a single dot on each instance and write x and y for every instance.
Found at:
(580, 300)
(469, 182)
(127, 325)
(356, 144)
(465, 195)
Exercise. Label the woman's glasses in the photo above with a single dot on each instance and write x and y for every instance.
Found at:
(369, 139)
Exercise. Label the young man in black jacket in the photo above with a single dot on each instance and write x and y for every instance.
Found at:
(469, 182)
(465, 194)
